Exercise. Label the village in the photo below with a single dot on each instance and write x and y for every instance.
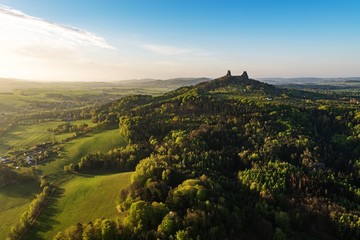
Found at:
(31, 155)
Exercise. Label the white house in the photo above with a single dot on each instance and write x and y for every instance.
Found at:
(30, 160)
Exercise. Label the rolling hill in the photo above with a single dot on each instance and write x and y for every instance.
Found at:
(231, 158)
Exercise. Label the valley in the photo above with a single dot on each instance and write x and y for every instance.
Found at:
(231, 149)
(179, 120)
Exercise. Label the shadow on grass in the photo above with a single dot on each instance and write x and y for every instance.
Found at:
(101, 172)
(46, 220)
(66, 176)
(24, 189)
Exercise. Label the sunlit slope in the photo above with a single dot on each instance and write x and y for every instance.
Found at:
(82, 199)
(28, 135)
(74, 150)
(14, 200)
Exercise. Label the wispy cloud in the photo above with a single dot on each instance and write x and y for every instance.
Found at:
(166, 50)
(33, 47)
(22, 30)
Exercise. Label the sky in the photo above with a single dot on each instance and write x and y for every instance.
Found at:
(109, 40)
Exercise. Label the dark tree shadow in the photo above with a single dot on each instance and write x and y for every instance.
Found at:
(24, 189)
(46, 220)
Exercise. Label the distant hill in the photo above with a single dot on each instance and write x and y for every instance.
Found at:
(300, 80)
(172, 83)
(7, 84)
(326, 84)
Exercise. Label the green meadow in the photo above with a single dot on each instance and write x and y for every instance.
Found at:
(70, 200)
(75, 149)
(28, 135)
(12, 100)
(14, 200)
(82, 199)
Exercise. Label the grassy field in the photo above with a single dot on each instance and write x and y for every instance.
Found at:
(74, 150)
(19, 96)
(29, 135)
(14, 200)
(13, 99)
(82, 199)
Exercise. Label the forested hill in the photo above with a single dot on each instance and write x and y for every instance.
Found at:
(234, 158)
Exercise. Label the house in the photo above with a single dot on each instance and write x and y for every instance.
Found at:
(5, 160)
(30, 160)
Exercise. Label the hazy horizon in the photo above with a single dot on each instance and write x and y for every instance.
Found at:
(122, 40)
(167, 79)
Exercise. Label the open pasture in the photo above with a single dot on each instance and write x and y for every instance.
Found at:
(82, 199)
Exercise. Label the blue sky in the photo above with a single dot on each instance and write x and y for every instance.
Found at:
(112, 40)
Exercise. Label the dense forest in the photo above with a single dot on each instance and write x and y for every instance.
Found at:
(232, 158)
